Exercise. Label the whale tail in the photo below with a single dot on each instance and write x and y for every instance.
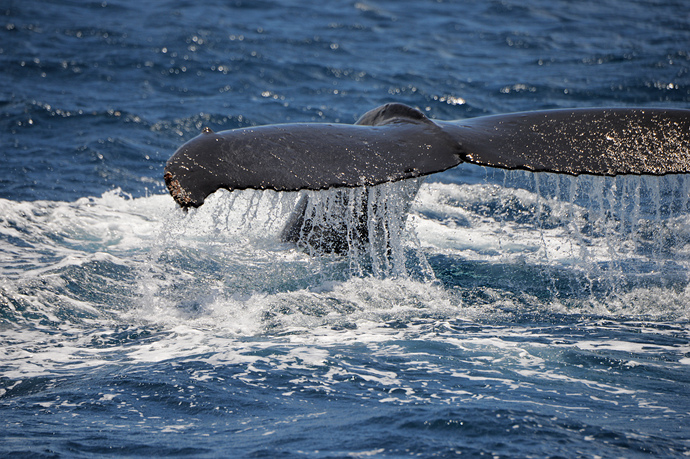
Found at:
(395, 142)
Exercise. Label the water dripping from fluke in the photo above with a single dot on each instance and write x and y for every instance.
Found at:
(558, 239)
(516, 238)
(368, 225)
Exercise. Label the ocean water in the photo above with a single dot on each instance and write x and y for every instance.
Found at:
(516, 315)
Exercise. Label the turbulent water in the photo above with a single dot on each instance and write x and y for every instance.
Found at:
(502, 314)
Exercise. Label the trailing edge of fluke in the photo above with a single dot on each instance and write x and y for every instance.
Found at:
(395, 142)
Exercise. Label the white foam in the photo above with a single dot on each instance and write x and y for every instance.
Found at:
(207, 280)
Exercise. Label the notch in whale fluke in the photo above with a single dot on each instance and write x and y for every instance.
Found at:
(395, 142)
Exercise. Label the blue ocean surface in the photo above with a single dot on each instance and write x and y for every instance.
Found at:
(519, 315)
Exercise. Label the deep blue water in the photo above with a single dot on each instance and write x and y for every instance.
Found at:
(533, 315)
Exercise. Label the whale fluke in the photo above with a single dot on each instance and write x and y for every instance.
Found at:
(396, 142)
